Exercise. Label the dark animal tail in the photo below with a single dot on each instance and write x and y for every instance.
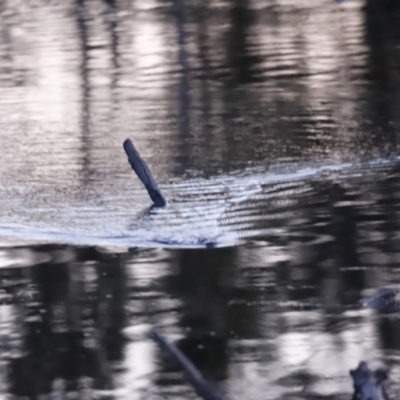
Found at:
(144, 174)
(200, 385)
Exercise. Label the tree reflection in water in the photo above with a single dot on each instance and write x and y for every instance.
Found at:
(210, 91)
(71, 319)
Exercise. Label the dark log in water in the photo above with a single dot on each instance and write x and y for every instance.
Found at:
(144, 174)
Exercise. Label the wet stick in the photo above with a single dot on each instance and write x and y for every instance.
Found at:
(144, 174)
(200, 385)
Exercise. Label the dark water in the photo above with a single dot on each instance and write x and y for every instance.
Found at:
(273, 129)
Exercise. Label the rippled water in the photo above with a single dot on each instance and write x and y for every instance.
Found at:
(272, 129)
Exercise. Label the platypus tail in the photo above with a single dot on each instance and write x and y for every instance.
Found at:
(144, 174)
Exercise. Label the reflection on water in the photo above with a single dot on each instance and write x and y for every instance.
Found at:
(261, 318)
(191, 83)
(272, 127)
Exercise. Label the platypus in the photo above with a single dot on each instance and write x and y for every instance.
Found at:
(203, 388)
(368, 384)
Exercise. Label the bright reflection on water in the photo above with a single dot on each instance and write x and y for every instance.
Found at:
(272, 128)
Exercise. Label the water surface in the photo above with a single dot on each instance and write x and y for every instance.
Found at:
(272, 129)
